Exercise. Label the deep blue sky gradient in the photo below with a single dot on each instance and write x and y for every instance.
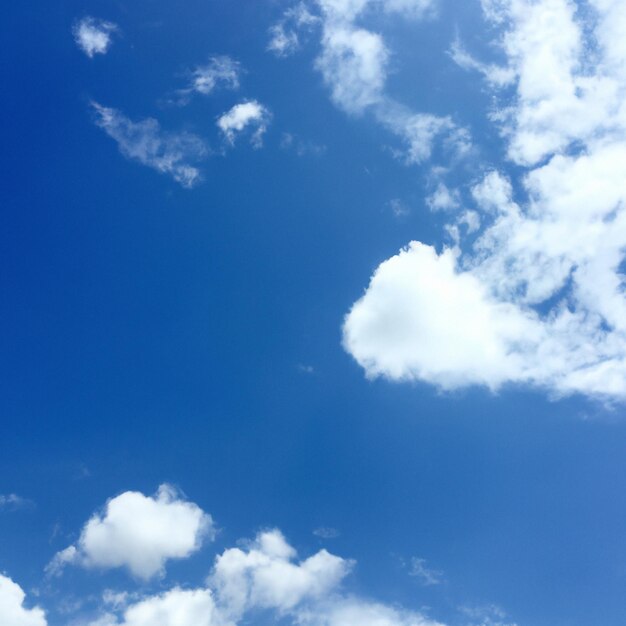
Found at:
(151, 333)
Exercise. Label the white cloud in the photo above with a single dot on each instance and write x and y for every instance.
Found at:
(537, 296)
(12, 610)
(145, 142)
(354, 64)
(94, 36)
(263, 576)
(443, 198)
(176, 607)
(413, 323)
(240, 117)
(267, 576)
(353, 611)
(285, 34)
(140, 533)
(219, 71)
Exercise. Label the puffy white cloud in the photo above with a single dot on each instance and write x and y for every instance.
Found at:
(421, 319)
(94, 36)
(353, 63)
(244, 115)
(176, 607)
(538, 295)
(12, 610)
(140, 533)
(352, 611)
(267, 576)
(565, 91)
(263, 576)
(169, 153)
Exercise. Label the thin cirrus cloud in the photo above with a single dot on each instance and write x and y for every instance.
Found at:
(94, 36)
(244, 116)
(140, 533)
(532, 289)
(175, 154)
(12, 609)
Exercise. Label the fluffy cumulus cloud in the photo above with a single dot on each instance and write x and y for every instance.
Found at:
(267, 576)
(533, 289)
(243, 116)
(262, 580)
(12, 609)
(263, 577)
(176, 154)
(140, 533)
(94, 36)
(176, 607)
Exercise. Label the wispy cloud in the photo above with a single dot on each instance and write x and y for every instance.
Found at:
(426, 575)
(94, 36)
(325, 532)
(285, 34)
(219, 72)
(354, 64)
(13, 502)
(175, 154)
(301, 147)
(487, 615)
(398, 207)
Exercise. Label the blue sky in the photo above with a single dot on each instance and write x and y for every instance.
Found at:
(313, 313)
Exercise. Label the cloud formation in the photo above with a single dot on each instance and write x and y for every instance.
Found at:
(264, 575)
(12, 610)
(538, 295)
(285, 34)
(354, 65)
(13, 502)
(219, 71)
(245, 115)
(94, 36)
(175, 154)
(140, 533)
